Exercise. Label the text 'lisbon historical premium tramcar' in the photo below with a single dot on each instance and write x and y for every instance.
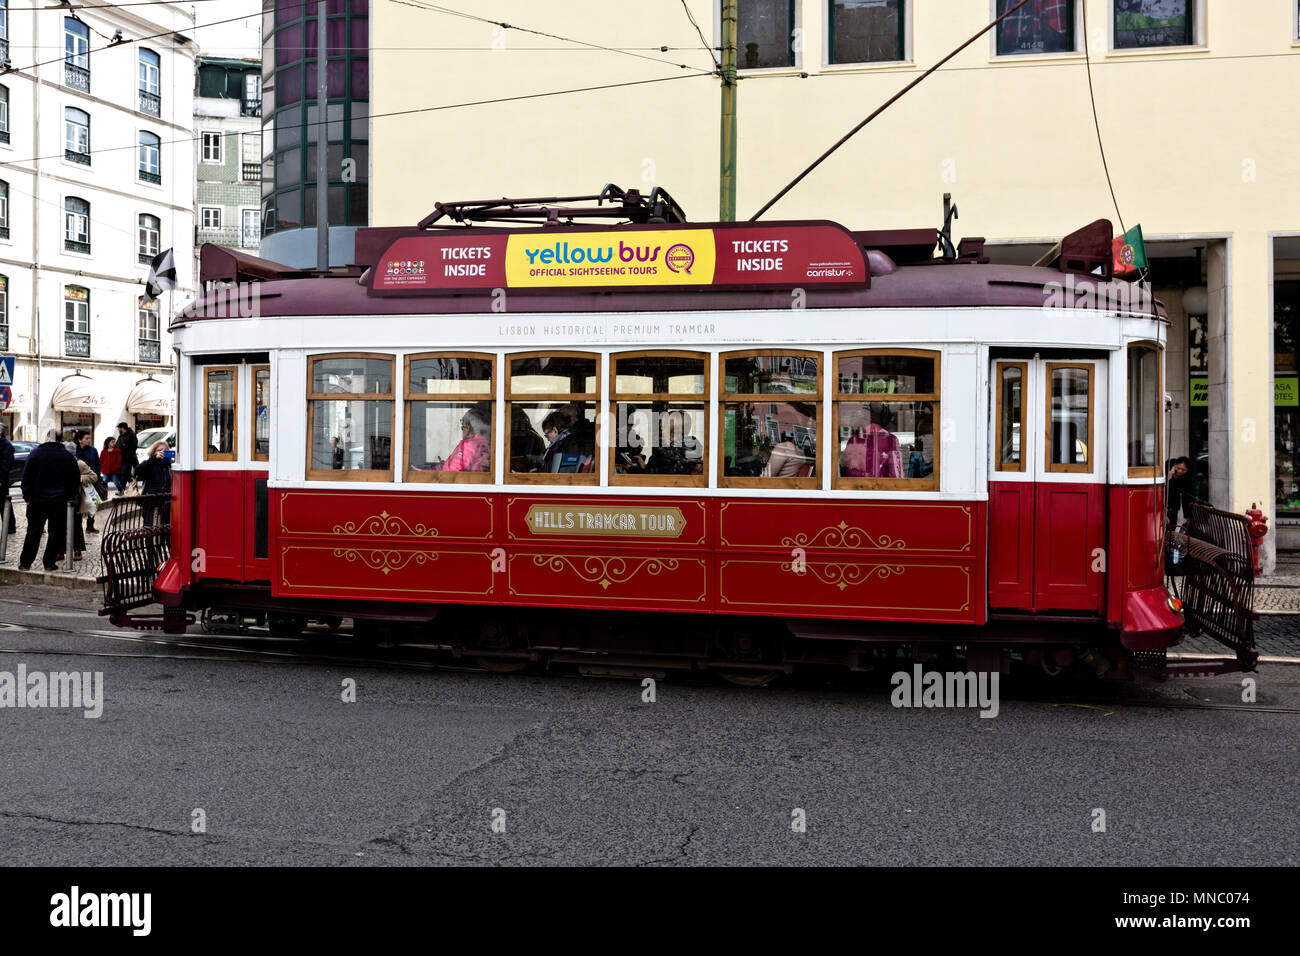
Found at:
(744, 446)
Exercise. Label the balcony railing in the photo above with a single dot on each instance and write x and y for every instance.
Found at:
(150, 103)
(148, 177)
(4, 232)
(77, 77)
(249, 238)
(145, 258)
(252, 172)
(76, 344)
(4, 50)
(4, 135)
(250, 108)
(150, 350)
(72, 156)
(72, 245)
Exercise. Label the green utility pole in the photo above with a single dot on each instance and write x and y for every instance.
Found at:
(727, 160)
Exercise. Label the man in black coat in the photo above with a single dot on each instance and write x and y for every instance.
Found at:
(87, 453)
(50, 480)
(126, 443)
(6, 469)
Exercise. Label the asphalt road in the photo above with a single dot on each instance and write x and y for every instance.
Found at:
(587, 773)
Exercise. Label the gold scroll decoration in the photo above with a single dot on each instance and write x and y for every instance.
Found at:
(605, 571)
(388, 525)
(844, 536)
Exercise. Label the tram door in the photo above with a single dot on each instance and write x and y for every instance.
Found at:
(231, 493)
(1047, 485)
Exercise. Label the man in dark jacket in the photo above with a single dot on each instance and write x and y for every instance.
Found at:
(50, 480)
(87, 453)
(126, 443)
(6, 469)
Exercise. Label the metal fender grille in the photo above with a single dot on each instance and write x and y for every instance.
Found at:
(1217, 583)
(135, 544)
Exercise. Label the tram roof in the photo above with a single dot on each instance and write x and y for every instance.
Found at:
(895, 270)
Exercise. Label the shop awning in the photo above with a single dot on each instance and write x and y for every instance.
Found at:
(78, 393)
(151, 397)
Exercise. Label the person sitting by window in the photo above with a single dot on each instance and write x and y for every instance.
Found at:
(562, 441)
(676, 455)
(917, 466)
(787, 460)
(871, 451)
(474, 451)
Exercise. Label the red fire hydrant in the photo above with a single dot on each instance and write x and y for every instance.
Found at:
(1258, 528)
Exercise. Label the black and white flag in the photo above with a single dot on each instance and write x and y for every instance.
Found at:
(162, 275)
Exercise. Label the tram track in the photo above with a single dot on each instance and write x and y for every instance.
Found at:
(236, 649)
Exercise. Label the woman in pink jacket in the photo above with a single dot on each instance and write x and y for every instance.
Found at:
(474, 453)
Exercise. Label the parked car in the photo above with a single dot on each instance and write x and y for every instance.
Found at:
(21, 450)
(151, 435)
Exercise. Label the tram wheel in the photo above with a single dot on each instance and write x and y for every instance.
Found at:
(286, 625)
(748, 678)
(503, 665)
(333, 623)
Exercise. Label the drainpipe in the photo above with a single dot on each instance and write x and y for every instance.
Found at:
(35, 339)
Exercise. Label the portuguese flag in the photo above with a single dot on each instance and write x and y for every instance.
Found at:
(1130, 253)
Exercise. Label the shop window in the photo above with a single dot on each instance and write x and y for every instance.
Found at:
(551, 403)
(220, 406)
(1145, 395)
(449, 417)
(350, 417)
(1040, 26)
(1154, 23)
(866, 32)
(1069, 417)
(886, 407)
(1010, 412)
(1286, 403)
(764, 33)
(770, 404)
(261, 413)
(660, 412)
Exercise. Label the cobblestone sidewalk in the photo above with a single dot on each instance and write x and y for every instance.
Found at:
(88, 569)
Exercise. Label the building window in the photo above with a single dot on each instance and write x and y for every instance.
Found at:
(764, 33)
(261, 413)
(76, 136)
(1069, 417)
(1040, 26)
(659, 405)
(149, 233)
(4, 209)
(212, 147)
(220, 413)
(1010, 415)
(250, 145)
(150, 158)
(350, 417)
(449, 417)
(251, 104)
(4, 312)
(150, 345)
(76, 321)
(1147, 23)
(149, 74)
(248, 231)
(771, 404)
(886, 407)
(1144, 397)
(210, 217)
(4, 114)
(551, 404)
(76, 225)
(76, 55)
(866, 32)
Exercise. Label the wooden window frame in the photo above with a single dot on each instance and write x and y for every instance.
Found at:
(726, 398)
(1088, 467)
(1157, 470)
(683, 398)
(998, 463)
(589, 478)
(931, 483)
(347, 474)
(449, 398)
(252, 421)
(233, 454)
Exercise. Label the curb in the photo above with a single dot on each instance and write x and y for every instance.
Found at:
(58, 579)
(1218, 657)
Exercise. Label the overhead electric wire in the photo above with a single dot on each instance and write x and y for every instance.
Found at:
(712, 56)
(1096, 122)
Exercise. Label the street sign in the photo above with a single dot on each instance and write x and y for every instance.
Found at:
(6, 369)
(6, 396)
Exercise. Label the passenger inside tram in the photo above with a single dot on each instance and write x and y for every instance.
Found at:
(871, 451)
(678, 452)
(474, 451)
(570, 443)
(788, 460)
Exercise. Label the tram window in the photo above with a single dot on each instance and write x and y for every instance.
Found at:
(770, 404)
(350, 417)
(219, 413)
(1069, 412)
(659, 410)
(261, 413)
(1010, 385)
(552, 400)
(449, 417)
(886, 406)
(1144, 401)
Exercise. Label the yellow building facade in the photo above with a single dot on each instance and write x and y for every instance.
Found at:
(1195, 99)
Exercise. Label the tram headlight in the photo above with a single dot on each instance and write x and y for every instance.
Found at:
(1175, 605)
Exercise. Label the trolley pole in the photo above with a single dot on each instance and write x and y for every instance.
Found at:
(727, 160)
(67, 536)
(322, 151)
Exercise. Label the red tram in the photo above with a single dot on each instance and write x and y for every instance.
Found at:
(750, 445)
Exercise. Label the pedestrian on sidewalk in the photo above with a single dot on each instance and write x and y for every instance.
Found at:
(88, 478)
(86, 452)
(50, 480)
(127, 445)
(110, 462)
(6, 469)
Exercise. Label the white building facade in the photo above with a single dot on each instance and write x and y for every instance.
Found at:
(96, 177)
(228, 147)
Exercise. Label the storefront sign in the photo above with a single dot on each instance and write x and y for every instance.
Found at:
(604, 521)
(1200, 392)
(743, 256)
(1285, 391)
